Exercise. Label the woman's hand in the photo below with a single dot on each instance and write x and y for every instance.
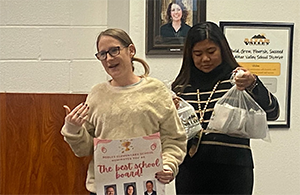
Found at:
(244, 81)
(78, 115)
(176, 100)
(165, 176)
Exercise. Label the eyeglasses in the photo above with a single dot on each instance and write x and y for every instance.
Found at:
(113, 52)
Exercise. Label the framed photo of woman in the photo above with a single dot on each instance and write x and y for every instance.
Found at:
(168, 22)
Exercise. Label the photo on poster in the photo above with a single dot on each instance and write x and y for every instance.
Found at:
(110, 189)
(150, 187)
(130, 188)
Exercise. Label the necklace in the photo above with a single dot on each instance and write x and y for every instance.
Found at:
(202, 112)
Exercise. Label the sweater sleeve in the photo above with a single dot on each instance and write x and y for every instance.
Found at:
(266, 100)
(80, 139)
(173, 137)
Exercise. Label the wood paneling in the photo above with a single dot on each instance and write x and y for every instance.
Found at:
(2, 140)
(34, 158)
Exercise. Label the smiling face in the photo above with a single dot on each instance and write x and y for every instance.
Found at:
(110, 191)
(120, 66)
(206, 55)
(149, 187)
(130, 190)
(176, 12)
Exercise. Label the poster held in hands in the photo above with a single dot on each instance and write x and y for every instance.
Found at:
(128, 163)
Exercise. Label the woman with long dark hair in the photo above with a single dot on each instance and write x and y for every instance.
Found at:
(216, 163)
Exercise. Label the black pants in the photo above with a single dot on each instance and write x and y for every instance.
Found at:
(208, 178)
(91, 193)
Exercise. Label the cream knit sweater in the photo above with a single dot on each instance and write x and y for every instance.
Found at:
(127, 112)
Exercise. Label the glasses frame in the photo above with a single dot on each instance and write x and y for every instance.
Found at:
(109, 52)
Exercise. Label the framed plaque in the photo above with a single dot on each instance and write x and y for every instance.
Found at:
(266, 49)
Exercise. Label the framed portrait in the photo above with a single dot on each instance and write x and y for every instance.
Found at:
(266, 49)
(167, 24)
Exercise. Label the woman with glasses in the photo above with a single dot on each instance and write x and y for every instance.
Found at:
(124, 107)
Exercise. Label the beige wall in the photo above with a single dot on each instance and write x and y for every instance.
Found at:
(48, 46)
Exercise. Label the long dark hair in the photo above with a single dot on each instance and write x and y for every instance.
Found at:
(200, 32)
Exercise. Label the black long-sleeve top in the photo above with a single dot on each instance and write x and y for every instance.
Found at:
(204, 83)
